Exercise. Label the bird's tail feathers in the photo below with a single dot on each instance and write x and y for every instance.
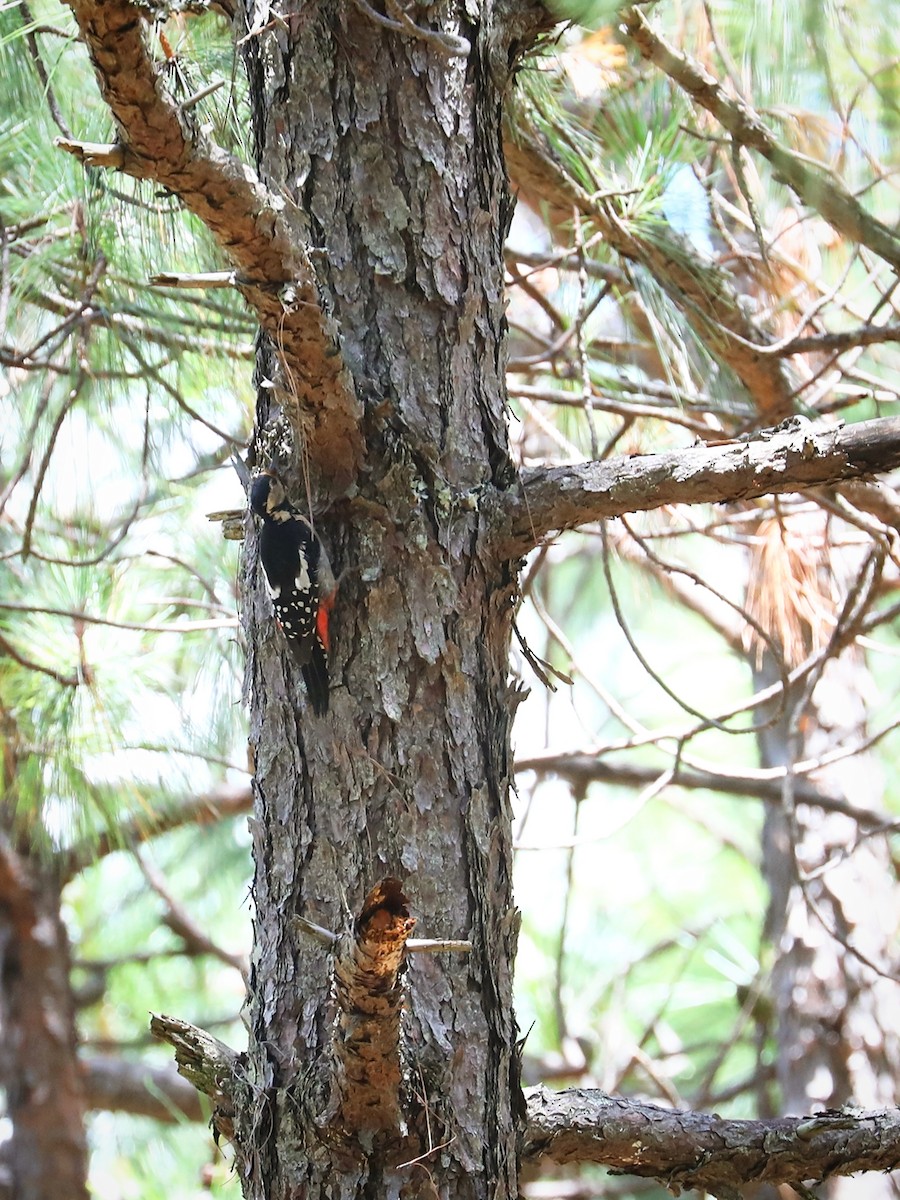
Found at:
(315, 676)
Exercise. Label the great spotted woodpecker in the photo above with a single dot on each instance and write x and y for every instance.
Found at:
(299, 582)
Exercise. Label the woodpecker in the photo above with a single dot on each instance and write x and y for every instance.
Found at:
(299, 581)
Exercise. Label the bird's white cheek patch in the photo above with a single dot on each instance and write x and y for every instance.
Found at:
(273, 589)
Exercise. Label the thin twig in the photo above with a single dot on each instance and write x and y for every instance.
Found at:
(74, 615)
(34, 51)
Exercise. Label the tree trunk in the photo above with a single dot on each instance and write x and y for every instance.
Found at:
(832, 921)
(46, 1155)
(387, 150)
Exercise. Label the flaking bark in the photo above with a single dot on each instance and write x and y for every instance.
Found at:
(682, 1150)
(696, 1150)
(211, 1066)
(789, 458)
(397, 148)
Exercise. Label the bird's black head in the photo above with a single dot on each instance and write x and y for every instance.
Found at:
(259, 494)
(266, 494)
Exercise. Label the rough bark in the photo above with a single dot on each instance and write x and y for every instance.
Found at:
(789, 458)
(212, 1067)
(391, 153)
(46, 1155)
(679, 1149)
(695, 1150)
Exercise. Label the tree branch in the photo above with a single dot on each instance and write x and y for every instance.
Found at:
(703, 293)
(161, 141)
(178, 919)
(815, 185)
(126, 325)
(8, 650)
(680, 1149)
(694, 1150)
(145, 1089)
(583, 768)
(843, 339)
(226, 801)
(789, 458)
(205, 1062)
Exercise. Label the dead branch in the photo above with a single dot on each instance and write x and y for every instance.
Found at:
(413, 945)
(695, 1150)
(792, 457)
(203, 1061)
(582, 768)
(680, 1149)
(206, 279)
